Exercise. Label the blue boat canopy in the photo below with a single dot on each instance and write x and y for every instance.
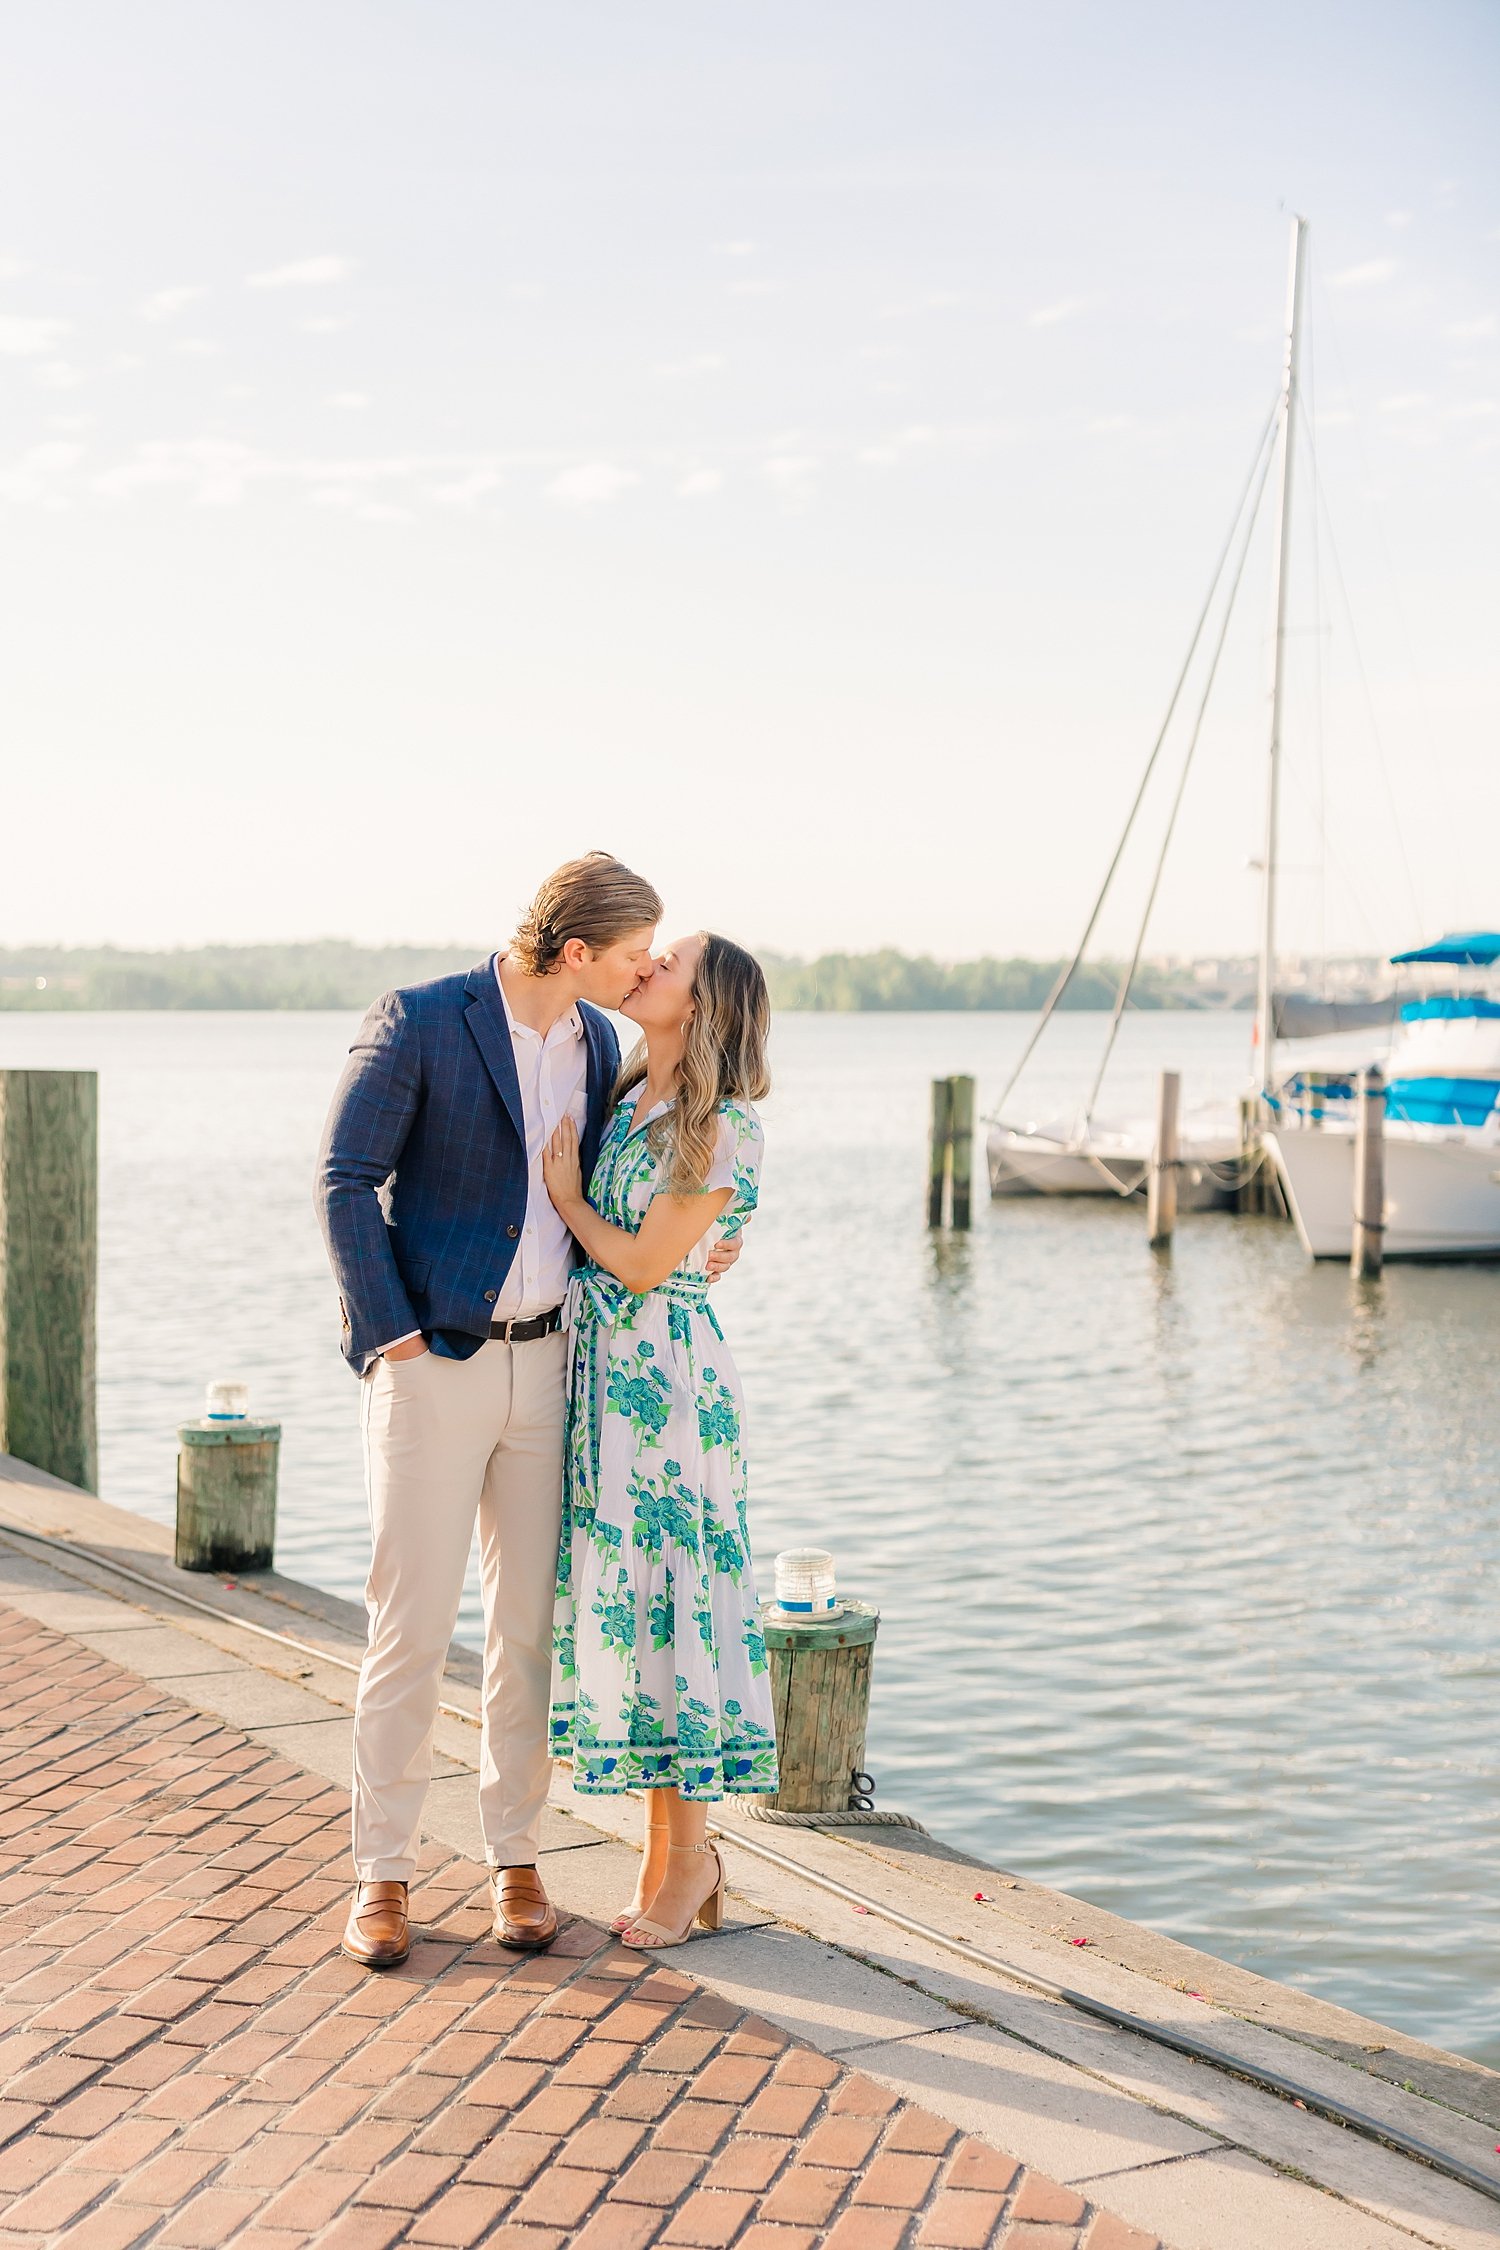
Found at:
(1465, 949)
(1454, 1005)
(1442, 1101)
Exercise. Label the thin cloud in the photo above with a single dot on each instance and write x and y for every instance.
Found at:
(1369, 275)
(790, 472)
(736, 249)
(218, 470)
(701, 363)
(163, 304)
(896, 447)
(1398, 218)
(1048, 316)
(591, 485)
(302, 273)
(323, 324)
(1469, 331)
(352, 402)
(11, 269)
(29, 336)
(40, 476)
(466, 491)
(702, 484)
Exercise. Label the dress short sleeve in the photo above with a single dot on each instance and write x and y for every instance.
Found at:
(736, 1164)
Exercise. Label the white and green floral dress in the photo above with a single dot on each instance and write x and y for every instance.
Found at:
(659, 1675)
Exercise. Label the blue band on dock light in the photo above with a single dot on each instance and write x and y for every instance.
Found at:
(800, 1607)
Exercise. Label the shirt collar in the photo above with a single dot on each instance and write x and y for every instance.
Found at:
(573, 1020)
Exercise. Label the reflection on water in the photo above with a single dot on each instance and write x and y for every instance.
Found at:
(1187, 1564)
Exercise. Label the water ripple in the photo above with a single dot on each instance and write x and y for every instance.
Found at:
(1187, 1568)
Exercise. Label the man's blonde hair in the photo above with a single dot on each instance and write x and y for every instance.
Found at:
(596, 898)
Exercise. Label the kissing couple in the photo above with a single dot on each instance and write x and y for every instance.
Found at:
(523, 1233)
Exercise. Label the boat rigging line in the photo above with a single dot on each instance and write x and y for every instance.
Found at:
(1120, 2019)
(995, 1116)
(1128, 979)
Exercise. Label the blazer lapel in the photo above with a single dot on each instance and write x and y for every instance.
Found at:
(485, 1017)
(597, 1093)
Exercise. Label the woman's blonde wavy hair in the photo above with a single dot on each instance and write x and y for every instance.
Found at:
(723, 1059)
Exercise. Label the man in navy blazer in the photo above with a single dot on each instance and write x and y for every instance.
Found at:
(451, 1265)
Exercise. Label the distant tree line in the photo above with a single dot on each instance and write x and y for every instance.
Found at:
(333, 973)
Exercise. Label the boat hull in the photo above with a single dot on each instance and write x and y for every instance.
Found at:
(1442, 1194)
(1031, 1164)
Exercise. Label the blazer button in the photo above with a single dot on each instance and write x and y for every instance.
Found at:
(512, 1232)
(490, 1295)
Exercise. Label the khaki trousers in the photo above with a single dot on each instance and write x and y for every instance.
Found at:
(446, 1441)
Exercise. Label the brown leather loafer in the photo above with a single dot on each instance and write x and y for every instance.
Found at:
(378, 1933)
(525, 1918)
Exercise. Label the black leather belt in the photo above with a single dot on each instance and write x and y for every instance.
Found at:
(526, 1331)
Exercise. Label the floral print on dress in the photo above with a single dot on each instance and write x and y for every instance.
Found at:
(659, 1673)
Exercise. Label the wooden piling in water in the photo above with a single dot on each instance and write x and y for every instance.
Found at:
(938, 1148)
(961, 1143)
(1367, 1251)
(1161, 1184)
(950, 1152)
(49, 1269)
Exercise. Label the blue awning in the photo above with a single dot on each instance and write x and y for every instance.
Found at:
(1453, 1004)
(1464, 949)
(1442, 1101)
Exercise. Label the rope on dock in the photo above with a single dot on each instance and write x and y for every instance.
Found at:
(749, 1810)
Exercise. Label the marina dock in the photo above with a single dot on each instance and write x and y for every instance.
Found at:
(188, 2058)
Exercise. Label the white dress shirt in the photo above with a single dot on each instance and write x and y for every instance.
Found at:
(553, 1074)
(553, 1077)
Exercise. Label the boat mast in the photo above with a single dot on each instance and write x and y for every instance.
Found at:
(1282, 537)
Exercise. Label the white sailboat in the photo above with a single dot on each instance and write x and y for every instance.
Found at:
(1089, 1155)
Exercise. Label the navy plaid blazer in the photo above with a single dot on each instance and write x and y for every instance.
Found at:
(422, 1176)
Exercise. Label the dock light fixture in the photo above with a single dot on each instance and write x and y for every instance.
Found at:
(226, 1402)
(805, 1583)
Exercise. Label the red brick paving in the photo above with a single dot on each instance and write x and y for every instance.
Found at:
(186, 2058)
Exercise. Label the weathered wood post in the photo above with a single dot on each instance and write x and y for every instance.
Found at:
(961, 1142)
(820, 1693)
(226, 1494)
(1367, 1253)
(49, 1269)
(1161, 1186)
(1244, 1200)
(939, 1148)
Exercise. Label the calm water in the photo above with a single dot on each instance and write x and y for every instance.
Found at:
(1187, 1569)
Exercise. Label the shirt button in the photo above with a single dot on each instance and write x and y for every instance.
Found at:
(512, 1232)
(490, 1295)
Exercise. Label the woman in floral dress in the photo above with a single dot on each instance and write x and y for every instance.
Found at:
(659, 1675)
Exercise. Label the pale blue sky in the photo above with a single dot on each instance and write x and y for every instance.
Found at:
(784, 445)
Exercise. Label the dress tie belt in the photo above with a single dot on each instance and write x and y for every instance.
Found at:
(608, 1297)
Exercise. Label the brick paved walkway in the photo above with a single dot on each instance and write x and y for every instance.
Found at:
(186, 2057)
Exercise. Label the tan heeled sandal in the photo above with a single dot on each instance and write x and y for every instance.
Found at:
(710, 1911)
(633, 1913)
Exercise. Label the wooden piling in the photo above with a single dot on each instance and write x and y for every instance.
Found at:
(1161, 1185)
(226, 1495)
(938, 1148)
(961, 1143)
(1367, 1252)
(820, 1693)
(49, 1268)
